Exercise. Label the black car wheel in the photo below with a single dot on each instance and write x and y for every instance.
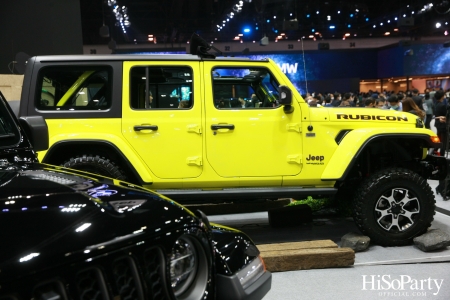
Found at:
(393, 206)
(95, 164)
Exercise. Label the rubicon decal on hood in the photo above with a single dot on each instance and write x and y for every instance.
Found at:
(369, 117)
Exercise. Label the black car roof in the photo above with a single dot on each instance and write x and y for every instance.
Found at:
(135, 57)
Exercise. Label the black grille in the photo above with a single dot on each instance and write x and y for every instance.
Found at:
(91, 285)
(153, 264)
(126, 279)
(52, 290)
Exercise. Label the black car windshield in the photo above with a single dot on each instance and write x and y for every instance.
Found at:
(9, 134)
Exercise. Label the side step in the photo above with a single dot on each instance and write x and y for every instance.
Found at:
(239, 194)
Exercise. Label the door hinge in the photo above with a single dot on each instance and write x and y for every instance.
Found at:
(294, 159)
(294, 127)
(195, 128)
(194, 161)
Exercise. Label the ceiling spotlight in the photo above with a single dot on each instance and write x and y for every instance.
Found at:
(438, 25)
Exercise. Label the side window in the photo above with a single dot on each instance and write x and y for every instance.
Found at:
(238, 88)
(74, 88)
(9, 134)
(161, 88)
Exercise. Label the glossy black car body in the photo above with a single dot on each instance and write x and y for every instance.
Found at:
(73, 235)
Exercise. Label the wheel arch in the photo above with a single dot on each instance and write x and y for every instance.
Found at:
(63, 150)
(348, 157)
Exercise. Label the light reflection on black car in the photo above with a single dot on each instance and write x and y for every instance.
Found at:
(73, 235)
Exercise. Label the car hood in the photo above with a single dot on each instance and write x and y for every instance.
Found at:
(372, 116)
(51, 216)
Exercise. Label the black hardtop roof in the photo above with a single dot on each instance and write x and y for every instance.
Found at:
(134, 57)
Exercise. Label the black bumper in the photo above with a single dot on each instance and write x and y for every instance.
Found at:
(229, 287)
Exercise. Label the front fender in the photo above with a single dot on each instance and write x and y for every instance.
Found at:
(356, 140)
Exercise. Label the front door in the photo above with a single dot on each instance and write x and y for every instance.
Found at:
(247, 133)
(162, 116)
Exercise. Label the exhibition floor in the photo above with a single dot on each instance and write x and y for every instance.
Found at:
(378, 273)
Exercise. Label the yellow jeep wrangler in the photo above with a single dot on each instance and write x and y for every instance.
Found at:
(202, 129)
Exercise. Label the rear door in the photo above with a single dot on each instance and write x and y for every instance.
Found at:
(162, 116)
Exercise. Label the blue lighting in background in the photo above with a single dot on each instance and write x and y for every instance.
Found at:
(307, 15)
(313, 30)
(367, 19)
(351, 15)
(246, 30)
(349, 25)
(332, 27)
(256, 27)
(268, 21)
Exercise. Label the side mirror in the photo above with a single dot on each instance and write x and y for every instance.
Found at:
(285, 98)
(36, 130)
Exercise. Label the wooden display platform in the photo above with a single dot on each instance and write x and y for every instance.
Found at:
(305, 255)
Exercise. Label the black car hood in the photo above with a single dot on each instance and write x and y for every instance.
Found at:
(51, 216)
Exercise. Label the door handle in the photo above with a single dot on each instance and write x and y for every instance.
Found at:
(145, 127)
(222, 126)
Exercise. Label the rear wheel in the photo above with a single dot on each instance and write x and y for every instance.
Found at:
(95, 164)
(393, 206)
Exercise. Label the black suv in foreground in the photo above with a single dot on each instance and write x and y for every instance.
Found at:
(73, 235)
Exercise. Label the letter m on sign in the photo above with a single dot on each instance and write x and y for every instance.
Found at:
(288, 68)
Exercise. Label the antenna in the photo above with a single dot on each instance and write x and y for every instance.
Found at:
(304, 67)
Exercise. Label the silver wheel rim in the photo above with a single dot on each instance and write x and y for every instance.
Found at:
(395, 210)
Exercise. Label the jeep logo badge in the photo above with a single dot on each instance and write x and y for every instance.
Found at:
(317, 158)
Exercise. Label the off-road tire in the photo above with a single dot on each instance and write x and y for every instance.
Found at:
(95, 164)
(375, 216)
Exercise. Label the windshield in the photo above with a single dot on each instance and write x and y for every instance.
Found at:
(9, 134)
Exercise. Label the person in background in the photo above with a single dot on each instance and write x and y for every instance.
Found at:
(369, 102)
(409, 105)
(400, 97)
(243, 102)
(336, 99)
(183, 104)
(381, 103)
(394, 103)
(428, 107)
(328, 101)
(440, 122)
(417, 98)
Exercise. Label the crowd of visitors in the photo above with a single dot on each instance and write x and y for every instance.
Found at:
(431, 104)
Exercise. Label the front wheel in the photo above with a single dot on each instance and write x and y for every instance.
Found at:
(393, 206)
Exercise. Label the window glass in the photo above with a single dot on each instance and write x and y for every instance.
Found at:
(74, 88)
(236, 88)
(9, 134)
(161, 88)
